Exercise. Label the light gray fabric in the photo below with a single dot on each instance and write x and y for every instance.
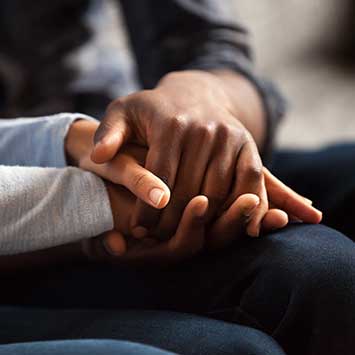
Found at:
(45, 207)
(42, 207)
(37, 141)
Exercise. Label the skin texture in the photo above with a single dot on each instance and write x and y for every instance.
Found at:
(229, 225)
(200, 141)
(202, 130)
(193, 233)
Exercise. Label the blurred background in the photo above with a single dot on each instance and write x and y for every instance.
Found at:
(306, 47)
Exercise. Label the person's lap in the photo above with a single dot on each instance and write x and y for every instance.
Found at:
(326, 176)
(297, 285)
(80, 347)
(176, 332)
(285, 284)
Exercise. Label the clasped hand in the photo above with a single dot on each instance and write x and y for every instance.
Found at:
(192, 173)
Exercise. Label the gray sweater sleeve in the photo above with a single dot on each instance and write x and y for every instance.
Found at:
(43, 203)
(37, 141)
(46, 207)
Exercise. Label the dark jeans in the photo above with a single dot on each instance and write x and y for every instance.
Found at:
(296, 286)
(80, 347)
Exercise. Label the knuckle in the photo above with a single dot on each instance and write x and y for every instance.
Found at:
(254, 172)
(246, 136)
(139, 181)
(240, 134)
(114, 106)
(224, 131)
(178, 121)
(205, 132)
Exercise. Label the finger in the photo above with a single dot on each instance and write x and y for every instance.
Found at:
(254, 226)
(99, 249)
(162, 160)
(125, 171)
(294, 219)
(189, 180)
(274, 219)
(190, 236)
(110, 135)
(289, 201)
(188, 240)
(217, 184)
(232, 223)
(145, 185)
(250, 179)
(114, 243)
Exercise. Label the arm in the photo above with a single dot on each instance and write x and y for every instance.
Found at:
(204, 35)
(204, 100)
(36, 141)
(229, 226)
(46, 207)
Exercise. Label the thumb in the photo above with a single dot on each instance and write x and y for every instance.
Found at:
(114, 243)
(112, 133)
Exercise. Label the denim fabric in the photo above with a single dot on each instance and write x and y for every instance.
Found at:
(296, 285)
(81, 347)
(176, 332)
(326, 176)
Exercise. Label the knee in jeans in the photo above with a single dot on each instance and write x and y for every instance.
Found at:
(314, 259)
(256, 343)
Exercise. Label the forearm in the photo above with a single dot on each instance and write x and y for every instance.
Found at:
(46, 207)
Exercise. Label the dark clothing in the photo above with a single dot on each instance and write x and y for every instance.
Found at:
(176, 332)
(296, 285)
(81, 347)
(327, 177)
(165, 36)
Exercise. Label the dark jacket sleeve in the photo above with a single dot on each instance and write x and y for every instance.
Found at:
(170, 35)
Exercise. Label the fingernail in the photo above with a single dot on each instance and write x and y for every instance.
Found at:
(310, 202)
(156, 195)
(202, 210)
(139, 232)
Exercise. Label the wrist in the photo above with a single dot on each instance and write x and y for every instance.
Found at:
(246, 103)
(79, 141)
